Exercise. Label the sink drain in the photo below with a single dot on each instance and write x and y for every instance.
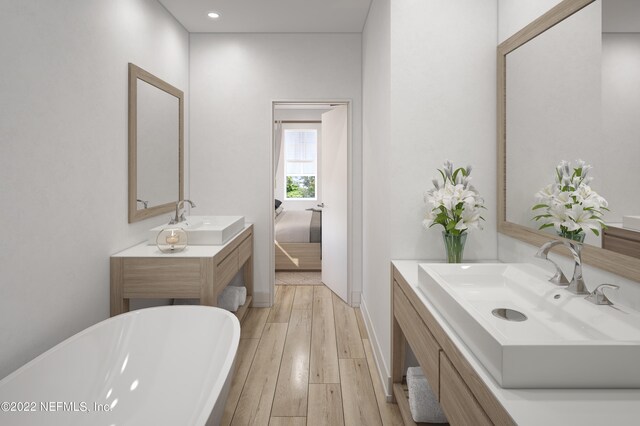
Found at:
(509, 314)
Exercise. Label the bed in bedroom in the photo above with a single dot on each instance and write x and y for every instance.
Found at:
(298, 238)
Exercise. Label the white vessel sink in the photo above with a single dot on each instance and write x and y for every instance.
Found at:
(565, 342)
(205, 230)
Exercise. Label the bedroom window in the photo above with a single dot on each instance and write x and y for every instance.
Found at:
(301, 163)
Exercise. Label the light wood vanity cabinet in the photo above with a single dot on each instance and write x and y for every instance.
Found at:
(464, 397)
(424, 345)
(227, 269)
(202, 273)
(456, 399)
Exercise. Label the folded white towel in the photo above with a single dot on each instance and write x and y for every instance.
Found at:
(241, 293)
(228, 299)
(422, 401)
(232, 297)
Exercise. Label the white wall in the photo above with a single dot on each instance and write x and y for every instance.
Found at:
(234, 79)
(63, 158)
(620, 125)
(377, 208)
(513, 15)
(442, 106)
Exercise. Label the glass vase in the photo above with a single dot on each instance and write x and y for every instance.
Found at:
(575, 236)
(455, 246)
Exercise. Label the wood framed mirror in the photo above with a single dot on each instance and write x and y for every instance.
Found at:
(156, 145)
(534, 130)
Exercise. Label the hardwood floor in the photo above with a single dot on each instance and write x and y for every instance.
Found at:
(295, 367)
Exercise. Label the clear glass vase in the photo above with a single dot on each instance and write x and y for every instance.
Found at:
(575, 236)
(454, 245)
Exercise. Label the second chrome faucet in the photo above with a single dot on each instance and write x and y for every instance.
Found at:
(576, 285)
(180, 217)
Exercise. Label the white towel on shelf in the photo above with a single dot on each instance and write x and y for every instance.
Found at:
(422, 402)
(228, 299)
(232, 298)
(241, 294)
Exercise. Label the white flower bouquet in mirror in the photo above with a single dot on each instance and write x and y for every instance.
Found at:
(456, 205)
(569, 205)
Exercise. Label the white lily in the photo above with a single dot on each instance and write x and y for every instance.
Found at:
(471, 218)
(582, 219)
(563, 197)
(428, 218)
(453, 202)
(570, 204)
(547, 193)
(558, 214)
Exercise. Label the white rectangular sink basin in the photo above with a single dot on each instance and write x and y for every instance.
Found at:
(565, 342)
(205, 230)
(631, 222)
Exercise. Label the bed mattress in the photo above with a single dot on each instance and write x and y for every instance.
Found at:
(299, 226)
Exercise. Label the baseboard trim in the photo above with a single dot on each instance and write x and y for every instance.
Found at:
(381, 367)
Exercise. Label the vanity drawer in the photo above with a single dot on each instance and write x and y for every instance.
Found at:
(456, 399)
(148, 277)
(244, 250)
(226, 269)
(424, 346)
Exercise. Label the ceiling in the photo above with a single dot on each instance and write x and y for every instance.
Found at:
(270, 16)
(621, 16)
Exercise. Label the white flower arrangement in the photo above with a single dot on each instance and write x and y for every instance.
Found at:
(455, 204)
(569, 204)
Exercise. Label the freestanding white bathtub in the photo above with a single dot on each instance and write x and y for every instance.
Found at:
(170, 365)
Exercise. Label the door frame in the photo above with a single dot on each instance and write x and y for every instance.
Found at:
(350, 210)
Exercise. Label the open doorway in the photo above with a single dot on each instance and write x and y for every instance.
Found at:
(311, 188)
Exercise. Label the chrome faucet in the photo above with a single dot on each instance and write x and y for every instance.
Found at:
(576, 285)
(180, 217)
(598, 297)
(558, 278)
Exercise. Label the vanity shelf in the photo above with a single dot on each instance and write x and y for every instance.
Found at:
(242, 310)
(621, 240)
(198, 272)
(401, 394)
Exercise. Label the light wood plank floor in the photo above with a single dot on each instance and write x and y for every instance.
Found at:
(295, 367)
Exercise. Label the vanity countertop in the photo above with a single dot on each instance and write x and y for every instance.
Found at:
(144, 249)
(541, 406)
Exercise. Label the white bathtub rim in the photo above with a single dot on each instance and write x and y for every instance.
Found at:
(227, 366)
(215, 390)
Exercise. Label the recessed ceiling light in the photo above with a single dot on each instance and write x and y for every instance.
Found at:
(213, 15)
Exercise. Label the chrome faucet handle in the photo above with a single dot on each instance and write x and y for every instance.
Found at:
(558, 278)
(598, 297)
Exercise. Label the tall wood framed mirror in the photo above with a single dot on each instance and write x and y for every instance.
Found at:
(156, 145)
(563, 82)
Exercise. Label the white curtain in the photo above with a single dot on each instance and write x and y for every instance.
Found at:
(277, 140)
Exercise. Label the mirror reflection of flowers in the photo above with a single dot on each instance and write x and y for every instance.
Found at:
(569, 204)
(455, 203)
